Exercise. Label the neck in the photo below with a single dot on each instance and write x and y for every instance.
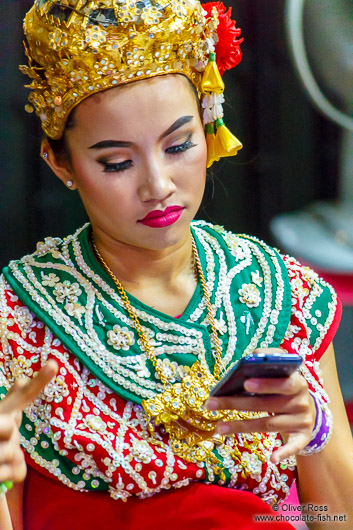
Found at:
(135, 265)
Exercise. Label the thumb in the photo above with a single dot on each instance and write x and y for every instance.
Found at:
(295, 443)
(24, 392)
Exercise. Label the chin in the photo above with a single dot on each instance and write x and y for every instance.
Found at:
(162, 238)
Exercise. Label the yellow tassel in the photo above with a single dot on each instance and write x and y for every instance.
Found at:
(210, 141)
(226, 144)
(211, 79)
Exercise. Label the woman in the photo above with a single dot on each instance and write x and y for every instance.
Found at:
(145, 310)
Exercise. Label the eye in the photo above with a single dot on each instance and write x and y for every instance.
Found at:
(181, 148)
(116, 166)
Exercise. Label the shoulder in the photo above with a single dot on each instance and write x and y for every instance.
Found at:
(315, 305)
(15, 316)
(12, 310)
(52, 248)
(22, 337)
(29, 274)
(238, 245)
(23, 283)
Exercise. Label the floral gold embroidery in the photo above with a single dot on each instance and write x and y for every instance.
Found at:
(67, 291)
(23, 318)
(21, 367)
(75, 310)
(141, 450)
(95, 423)
(56, 390)
(50, 279)
(120, 338)
(253, 463)
(169, 370)
(50, 244)
(249, 295)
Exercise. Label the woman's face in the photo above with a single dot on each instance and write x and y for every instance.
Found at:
(138, 160)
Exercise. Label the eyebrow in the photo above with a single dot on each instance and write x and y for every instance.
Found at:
(110, 143)
(117, 143)
(176, 125)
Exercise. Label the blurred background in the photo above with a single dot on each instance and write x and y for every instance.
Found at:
(292, 155)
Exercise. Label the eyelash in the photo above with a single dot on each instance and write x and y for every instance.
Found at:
(181, 148)
(115, 168)
(121, 166)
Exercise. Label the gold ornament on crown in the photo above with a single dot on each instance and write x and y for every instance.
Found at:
(76, 48)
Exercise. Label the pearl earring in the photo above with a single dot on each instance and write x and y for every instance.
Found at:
(45, 155)
(69, 183)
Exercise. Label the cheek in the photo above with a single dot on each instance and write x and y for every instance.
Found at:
(203, 152)
(99, 190)
(199, 161)
(87, 174)
(196, 157)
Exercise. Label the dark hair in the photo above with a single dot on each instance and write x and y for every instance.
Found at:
(61, 149)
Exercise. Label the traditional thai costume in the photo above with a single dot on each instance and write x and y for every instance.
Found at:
(122, 421)
(88, 431)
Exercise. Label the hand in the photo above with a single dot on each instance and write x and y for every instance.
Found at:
(292, 411)
(23, 392)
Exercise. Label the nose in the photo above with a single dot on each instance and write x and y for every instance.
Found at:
(156, 181)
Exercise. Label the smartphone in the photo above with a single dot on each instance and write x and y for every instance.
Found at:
(269, 365)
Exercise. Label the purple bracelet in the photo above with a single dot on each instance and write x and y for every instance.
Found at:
(322, 429)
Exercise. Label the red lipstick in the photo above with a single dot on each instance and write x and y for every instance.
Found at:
(161, 219)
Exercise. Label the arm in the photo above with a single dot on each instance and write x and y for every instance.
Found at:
(5, 521)
(326, 478)
(12, 464)
(14, 499)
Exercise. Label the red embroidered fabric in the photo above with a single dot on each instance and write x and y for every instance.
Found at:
(51, 505)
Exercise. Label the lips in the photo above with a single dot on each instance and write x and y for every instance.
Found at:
(162, 218)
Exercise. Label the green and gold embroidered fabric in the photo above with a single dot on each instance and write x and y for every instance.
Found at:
(67, 289)
(88, 428)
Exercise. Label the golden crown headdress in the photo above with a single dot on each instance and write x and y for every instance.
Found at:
(76, 48)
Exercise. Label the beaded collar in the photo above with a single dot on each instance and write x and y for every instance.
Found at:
(64, 286)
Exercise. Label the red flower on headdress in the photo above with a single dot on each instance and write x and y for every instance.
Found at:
(228, 52)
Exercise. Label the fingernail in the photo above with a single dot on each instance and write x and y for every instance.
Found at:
(212, 404)
(275, 458)
(222, 428)
(251, 386)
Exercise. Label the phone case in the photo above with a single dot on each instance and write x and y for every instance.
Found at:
(265, 365)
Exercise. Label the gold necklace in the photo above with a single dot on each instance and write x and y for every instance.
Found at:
(132, 315)
(180, 407)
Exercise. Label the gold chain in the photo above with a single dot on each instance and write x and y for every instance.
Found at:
(147, 347)
(218, 357)
(180, 407)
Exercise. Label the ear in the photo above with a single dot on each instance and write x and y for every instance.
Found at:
(61, 168)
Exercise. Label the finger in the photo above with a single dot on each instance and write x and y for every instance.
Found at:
(7, 452)
(263, 403)
(10, 448)
(284, 423)
(18, 417)
(25, 393)
(7, 426)
(270, 350)
(295, 443)
(16, 471)
(293, 384)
